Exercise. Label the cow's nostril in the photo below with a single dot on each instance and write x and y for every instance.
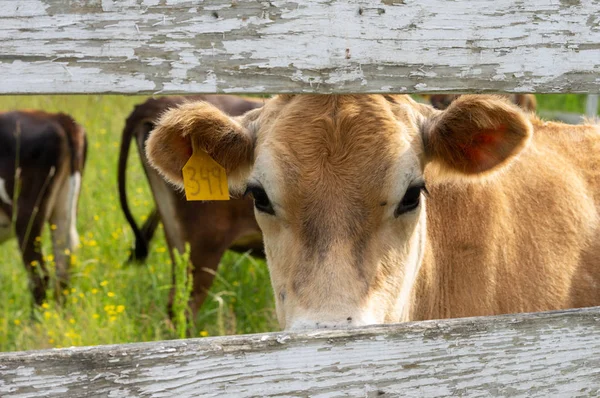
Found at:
(349, 319)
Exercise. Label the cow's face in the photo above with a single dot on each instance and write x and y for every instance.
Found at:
(339, 188)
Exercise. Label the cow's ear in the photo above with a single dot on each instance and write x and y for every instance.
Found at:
(475, 135)
(203, 126)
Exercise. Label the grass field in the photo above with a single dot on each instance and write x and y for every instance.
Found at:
(110, 301)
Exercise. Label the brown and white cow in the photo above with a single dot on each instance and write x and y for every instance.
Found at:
(526, 102)
(210, 227)
(378, 209)
(42, 156)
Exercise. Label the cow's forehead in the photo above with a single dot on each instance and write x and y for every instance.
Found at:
(333, 154)
(332, 129)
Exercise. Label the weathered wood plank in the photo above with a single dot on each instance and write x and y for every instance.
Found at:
(532, 355)
(591, 106)
(177, 46)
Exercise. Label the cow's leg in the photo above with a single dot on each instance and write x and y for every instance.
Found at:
(28, 232)
(205, 268)
(63, 226)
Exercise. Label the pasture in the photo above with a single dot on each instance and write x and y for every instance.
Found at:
(110, 301)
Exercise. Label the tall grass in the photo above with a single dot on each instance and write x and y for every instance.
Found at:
(109, 301)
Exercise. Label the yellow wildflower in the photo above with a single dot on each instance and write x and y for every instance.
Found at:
(45, 305)
(120, 308)
(161, 249)
(109, 308)
(53, 227)
(96, 218)
(66, 291)
(94, 291)
(203, 333)
(110, 294)
(34, 263)
(103, 283)
(73, 290)
(51, 341)
(67, 252)
(95, 316)
(81, 295)
(47, 315)
(17, 322)
(112, 318)
(72, 321)
(92, 243)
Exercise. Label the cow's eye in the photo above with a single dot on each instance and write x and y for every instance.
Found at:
(261, 200)
(411, 199)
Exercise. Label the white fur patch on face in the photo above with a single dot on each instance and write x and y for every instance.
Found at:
(4, 193)
(267, 173)
(406, 172)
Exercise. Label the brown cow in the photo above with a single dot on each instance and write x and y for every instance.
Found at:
(210, 227)
(42, 156)
(527, 102)
(379, 209)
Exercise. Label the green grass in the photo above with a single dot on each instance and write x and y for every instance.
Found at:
(563, 102)
(109, 301)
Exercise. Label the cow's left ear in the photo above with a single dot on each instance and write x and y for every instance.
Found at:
(475, 135)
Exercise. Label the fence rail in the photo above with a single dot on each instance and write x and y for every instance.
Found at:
(92, 46)
(528, 355)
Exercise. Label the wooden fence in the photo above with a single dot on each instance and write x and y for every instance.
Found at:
(324, 46)
(525, 355)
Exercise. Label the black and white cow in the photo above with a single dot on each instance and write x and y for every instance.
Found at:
(42, 156)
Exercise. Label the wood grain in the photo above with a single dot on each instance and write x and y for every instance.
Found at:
(524, 355)
(235, 46)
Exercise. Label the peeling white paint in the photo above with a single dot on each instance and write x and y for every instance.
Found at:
(316, 46)
(523, 355)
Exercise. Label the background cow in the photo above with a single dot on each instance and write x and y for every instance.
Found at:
(42, 156)
(378, 209)
(210, 227)
(526, 102)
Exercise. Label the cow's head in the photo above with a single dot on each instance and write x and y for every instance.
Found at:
(338, 184)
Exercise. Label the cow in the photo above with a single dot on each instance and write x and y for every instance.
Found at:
(527, 102)
(210, 227)
(42, 157)
(377, 209)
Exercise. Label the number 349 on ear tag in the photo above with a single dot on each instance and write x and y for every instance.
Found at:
(204, 179)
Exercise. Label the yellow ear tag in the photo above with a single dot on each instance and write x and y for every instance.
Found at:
(203, 178)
